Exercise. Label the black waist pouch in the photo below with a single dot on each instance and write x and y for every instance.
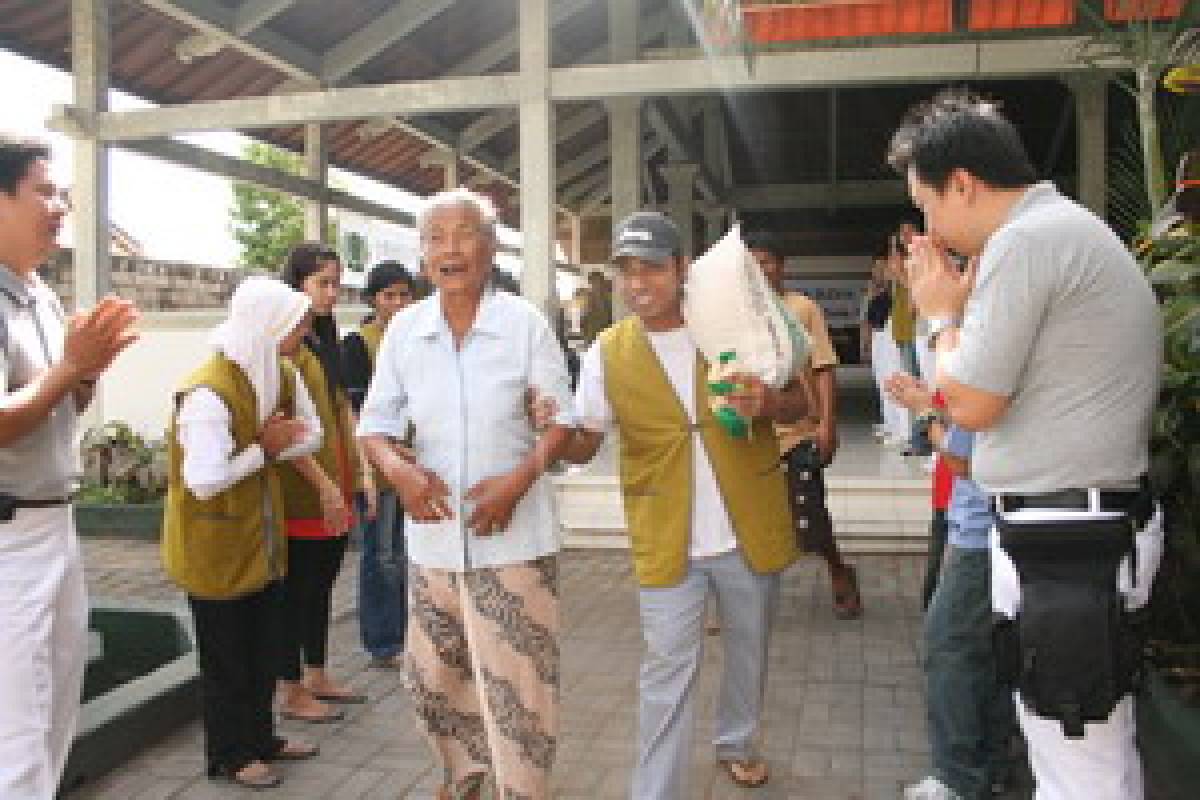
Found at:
(1072, 651)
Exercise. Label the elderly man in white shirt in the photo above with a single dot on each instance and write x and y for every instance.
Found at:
(451, 380)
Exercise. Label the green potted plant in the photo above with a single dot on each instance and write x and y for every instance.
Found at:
(1169, 708)
(124, 482)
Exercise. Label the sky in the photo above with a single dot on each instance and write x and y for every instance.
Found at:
(177, 213)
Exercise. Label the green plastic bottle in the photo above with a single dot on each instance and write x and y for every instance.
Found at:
(727, 416)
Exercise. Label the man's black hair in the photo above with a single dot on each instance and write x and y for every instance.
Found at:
(960, 130)
(16, 154)
(763, 240)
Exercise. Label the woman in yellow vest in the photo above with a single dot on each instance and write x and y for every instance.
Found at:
(237, 418)
(318, 519)
(382, 592)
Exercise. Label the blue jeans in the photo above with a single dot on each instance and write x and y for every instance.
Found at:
(970, 717)
(382, 589)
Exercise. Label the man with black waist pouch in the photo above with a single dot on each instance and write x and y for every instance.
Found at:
(1049, 346)
(49, 365)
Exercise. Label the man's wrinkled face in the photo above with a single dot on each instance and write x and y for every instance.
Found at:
(32, 216)
(949, 212)
(651, 289)
(458, 249)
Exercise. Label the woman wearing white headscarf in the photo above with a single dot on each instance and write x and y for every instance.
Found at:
(236, 418)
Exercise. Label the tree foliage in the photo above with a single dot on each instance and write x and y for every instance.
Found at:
(265, 222)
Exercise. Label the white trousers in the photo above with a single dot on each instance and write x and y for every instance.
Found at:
(886, 360)
(1104, 764)
(43, 649)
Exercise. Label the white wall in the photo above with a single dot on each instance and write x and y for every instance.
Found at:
(139, 386)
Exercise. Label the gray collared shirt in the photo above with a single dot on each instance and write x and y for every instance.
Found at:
(43, 463)
(1063, 323)
(468, 412)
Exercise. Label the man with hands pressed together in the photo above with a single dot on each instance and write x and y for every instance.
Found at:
(1050, 349)
(706, 512)
(456, 369)
(49, 365)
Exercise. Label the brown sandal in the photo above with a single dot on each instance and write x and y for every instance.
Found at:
(847, 603)
(470, 788)
(739, 770)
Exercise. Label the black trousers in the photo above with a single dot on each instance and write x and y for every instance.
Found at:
(810, 512)
(237, 644)
(313, 566)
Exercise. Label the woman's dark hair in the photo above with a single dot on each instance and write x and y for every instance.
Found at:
(303, 260)
(16, 154)
(960, 130)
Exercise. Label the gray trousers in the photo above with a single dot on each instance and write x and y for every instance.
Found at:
(673, 630)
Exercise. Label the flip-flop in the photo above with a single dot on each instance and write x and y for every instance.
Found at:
(295, 751)
(347, 699)
(732, 766)
(334, 715)
(265, 780)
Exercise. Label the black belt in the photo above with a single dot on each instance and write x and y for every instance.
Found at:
(47, 502)
(10, 504)
(1138, 503)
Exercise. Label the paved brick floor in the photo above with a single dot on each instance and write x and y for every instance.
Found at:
(844, 719)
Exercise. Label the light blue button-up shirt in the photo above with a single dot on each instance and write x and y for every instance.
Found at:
(468, 411)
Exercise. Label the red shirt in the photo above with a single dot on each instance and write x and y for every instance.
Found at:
(943, 479)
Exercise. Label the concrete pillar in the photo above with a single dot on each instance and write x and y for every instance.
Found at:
(538, 222)
(715, 224)
(575, 221)
(625, 158)
(624, 125)
(445, 160)
(91, 45)
(624, 114)
(316, 167)
(1091, 113)
(681, 201)
(716, 141)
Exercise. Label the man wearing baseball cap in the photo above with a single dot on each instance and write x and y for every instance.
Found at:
(706, 512)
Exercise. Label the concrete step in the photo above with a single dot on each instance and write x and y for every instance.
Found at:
(871, 515)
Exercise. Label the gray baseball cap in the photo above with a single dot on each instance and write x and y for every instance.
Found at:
(646, 234)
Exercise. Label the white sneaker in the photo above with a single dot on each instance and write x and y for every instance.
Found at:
(930, 789)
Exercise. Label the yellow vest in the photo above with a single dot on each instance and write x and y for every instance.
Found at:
(300, 499)
(903, 323)
(372, 334)
(233, 543)
(656, 466)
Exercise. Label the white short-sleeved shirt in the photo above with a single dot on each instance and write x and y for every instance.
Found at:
(711, 528)
(470, 421)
